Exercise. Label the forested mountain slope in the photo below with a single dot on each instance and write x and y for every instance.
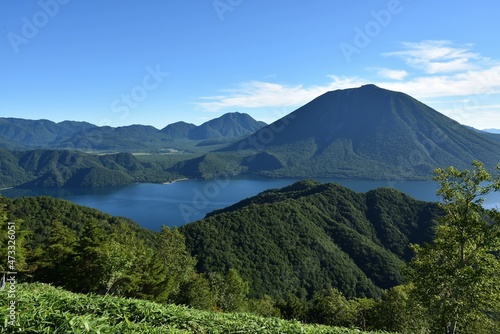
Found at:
(310, 236)
(58, 168)
(368, 132)
(17, 133)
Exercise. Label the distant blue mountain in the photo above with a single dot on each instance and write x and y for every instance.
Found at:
(230, 125)
(16, 133)
(492, 130)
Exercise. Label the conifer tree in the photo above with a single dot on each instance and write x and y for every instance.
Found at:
(125, 258)
(52, 259)
(170, 265)
(235, 292)
(88, 263)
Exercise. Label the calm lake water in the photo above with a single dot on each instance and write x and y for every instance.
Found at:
(175, 204)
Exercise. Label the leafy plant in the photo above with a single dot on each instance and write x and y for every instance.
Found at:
(45, 309)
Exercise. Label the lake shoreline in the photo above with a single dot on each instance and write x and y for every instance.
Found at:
(152, 205)
(176, 180)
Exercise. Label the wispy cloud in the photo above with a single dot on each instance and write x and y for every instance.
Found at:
(436, 71)
(255, 94)
(388, 73)
(437, 56)
(479, 82)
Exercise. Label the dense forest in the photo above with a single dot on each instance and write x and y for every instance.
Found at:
(58, 168)
(317, 253)
(83, 250)
(309, 236)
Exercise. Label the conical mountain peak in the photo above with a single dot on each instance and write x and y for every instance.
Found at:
(370, 132)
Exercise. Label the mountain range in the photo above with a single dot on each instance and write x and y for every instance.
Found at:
(24, 134)
(227, 126)
(366, 132)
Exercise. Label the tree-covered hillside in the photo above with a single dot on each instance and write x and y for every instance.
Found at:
(16, 133)
(310, 236)
(84, 250)
(295, 252)
(58, 168)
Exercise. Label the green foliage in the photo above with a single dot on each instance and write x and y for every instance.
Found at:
(39, 213)
(331, 308)
(52, 259)
(232, 297)
(46, 309)
(123, 262)
(209, 166)
(395, 311)
(456, 276)
(292, 308)
(309, 237)
(230, 291)
(86, 251)
(196, 293)
(12, 244)
(362, 310)
(314, 247)
(89, 260)
(265, 307)
(56, 169)
(170, 265)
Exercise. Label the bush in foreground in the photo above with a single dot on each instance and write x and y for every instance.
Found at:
(41, 308)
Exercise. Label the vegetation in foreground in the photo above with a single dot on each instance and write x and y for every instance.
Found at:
(452, 282)
(42, 308)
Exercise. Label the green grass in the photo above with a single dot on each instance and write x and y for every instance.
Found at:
(41, 308)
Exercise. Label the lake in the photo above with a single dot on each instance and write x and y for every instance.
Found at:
(153, 205)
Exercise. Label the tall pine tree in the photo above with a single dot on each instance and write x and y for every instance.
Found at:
(89, 260)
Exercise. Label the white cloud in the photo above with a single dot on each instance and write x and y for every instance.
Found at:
(437, 56)
(255, 94)
(388, 73)
(475, 114)
(438, 72)
(482, 82)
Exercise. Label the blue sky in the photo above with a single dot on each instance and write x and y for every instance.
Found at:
(160, 61)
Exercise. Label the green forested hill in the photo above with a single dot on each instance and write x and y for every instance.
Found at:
(60, 168)
(16, 133)
(284, 252)
(228, 125)
(37, 214)
(26, 134)
(310, 236)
